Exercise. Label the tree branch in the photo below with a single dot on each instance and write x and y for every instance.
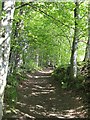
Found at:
(20, 6)
(50, 16)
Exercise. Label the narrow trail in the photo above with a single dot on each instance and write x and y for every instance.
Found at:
(40, 97)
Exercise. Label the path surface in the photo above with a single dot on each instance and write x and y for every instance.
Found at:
(40, 97)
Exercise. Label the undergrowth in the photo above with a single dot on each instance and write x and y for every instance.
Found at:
(11, 92)
(61, 75)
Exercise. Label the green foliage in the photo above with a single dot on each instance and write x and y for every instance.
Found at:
(61, 74)
(46, 30)
(11, 91)
(13, 81)
(82, 70)
(31, 66)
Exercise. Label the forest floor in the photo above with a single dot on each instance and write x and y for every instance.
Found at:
(40, 97)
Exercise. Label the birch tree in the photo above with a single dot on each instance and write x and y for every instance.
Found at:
(6, 29)
(73, 70)
(17, 39)
(87, 53)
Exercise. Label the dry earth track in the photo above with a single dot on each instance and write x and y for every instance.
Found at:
(40, 97)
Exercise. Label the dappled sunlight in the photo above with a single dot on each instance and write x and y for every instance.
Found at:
(31, 76)
(41, 98)
(45, 92)
(44, 99)
(23, 115)
(78, 98)
(45, 73)
(74, 113)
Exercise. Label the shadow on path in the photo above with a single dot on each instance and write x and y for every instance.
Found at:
(39, 97)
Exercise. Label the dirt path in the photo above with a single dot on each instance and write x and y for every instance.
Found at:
(39, 97)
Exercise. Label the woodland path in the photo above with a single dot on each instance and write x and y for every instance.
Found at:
(40, 97)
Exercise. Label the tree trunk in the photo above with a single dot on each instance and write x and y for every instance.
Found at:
(6, 25)
(37, 58)
(15, 55)
(87, 53)
(73, 70)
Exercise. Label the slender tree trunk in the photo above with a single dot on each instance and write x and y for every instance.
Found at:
(6, 25)
(15, 53)
(87, 53)
(87, 60)
(37, 58)
(73, 70)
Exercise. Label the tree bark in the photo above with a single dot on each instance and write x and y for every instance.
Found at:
(87, 53)
(6, 25)
(73, 61)
(15, 53)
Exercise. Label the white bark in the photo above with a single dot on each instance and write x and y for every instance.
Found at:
(89, 31)
(73, 71)
(6, 25)
(87, 53)
(37, 59)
